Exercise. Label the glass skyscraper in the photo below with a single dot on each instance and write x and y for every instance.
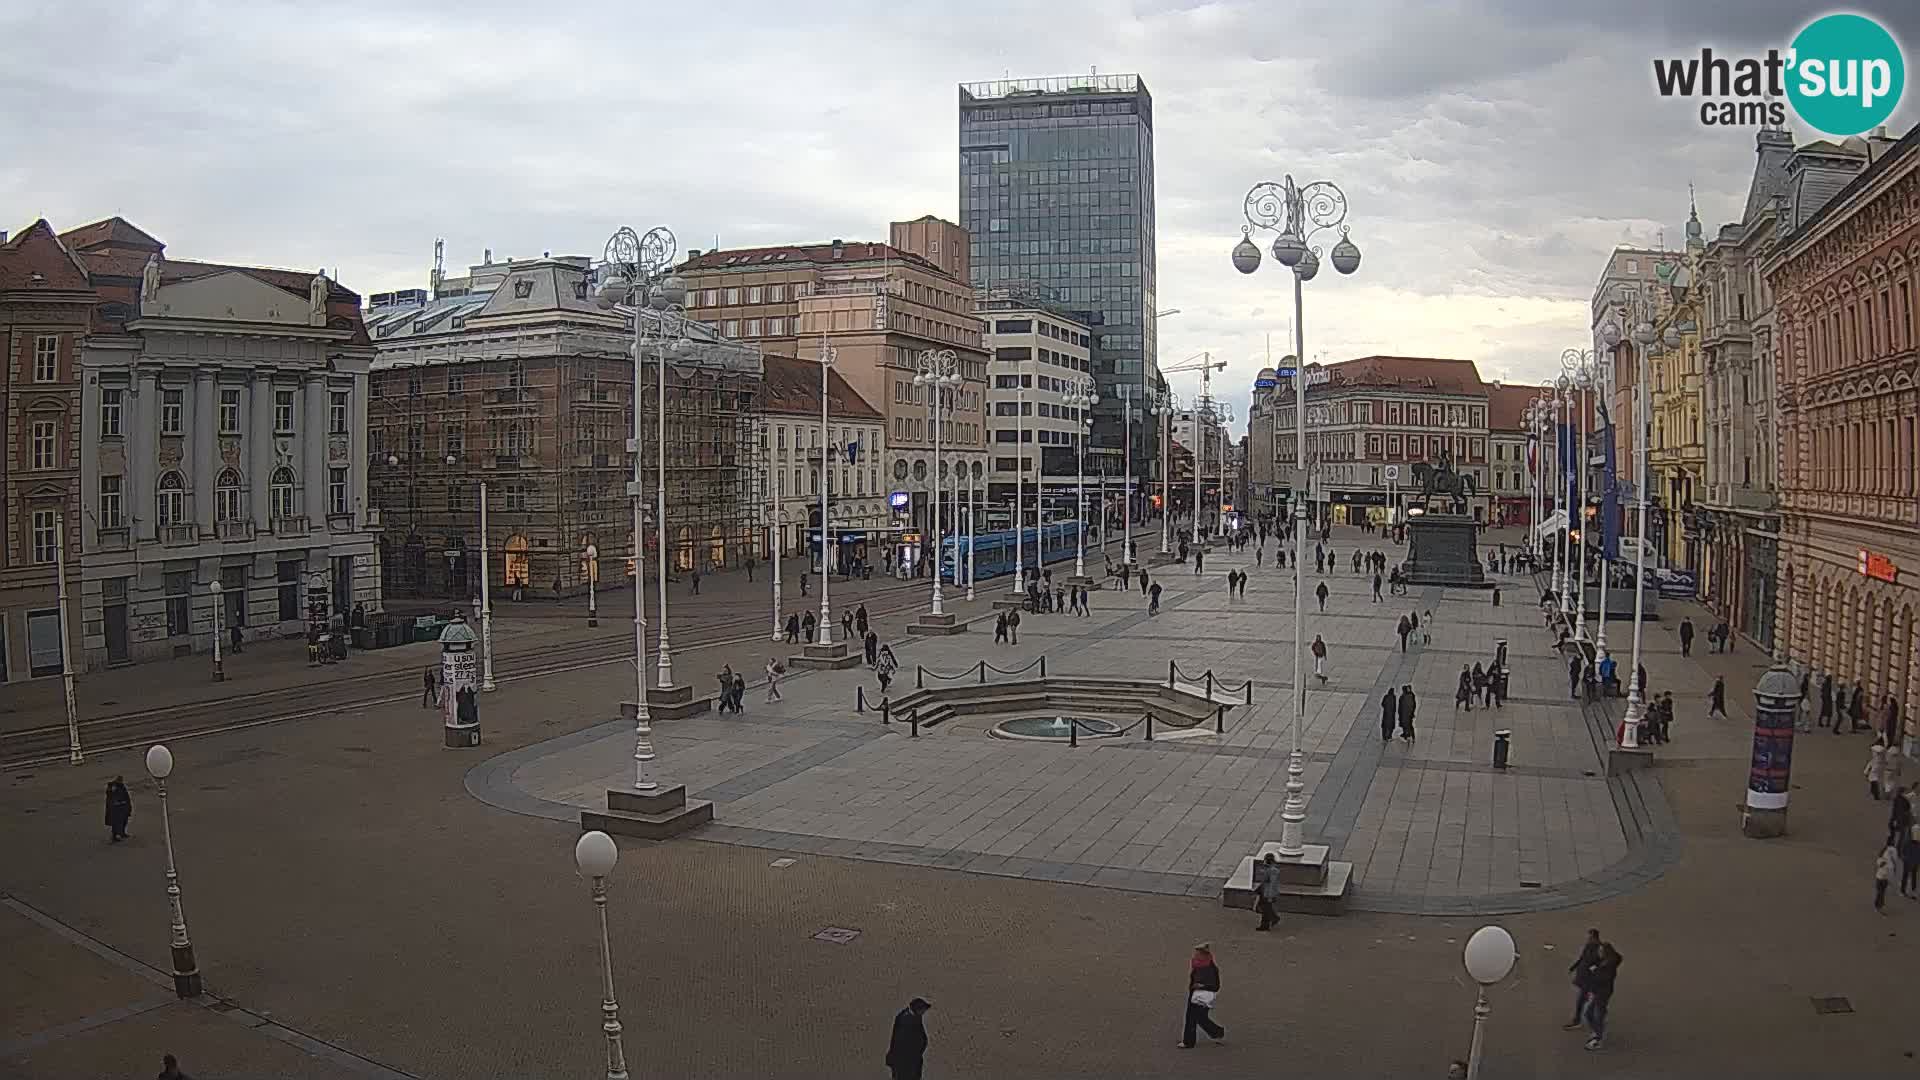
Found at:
(1056, 191)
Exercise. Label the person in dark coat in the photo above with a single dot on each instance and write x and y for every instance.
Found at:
(860, 619)
(1404, 628)
(1857, 709)
(907, 1049)
(1407, 707)
(236, 639)
(871, 645)
(1589, 956)
(1899, 821)
(1574, 667)
(430, 687)
(1826, 700)
(119, 808)
(1600, 977)
(1463, 691)
(1890, 720)
(1717, 698)
(1389, 712)
(793, 629)
(1203, 977)
(1686, 637)
(170, 1069)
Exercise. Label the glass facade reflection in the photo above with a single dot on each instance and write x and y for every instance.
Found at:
(1056, 191)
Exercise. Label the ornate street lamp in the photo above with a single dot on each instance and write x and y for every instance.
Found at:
(595, 855)
(1489, 957)
(186, 971)
(1296, 214)
(1081, 398)
(636, 270)
(940, 374)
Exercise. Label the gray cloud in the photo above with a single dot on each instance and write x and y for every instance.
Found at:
(1492, 152)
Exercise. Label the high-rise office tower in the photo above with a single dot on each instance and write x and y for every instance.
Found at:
(1056, 191)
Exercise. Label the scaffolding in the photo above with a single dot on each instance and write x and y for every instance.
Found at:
(541, 415)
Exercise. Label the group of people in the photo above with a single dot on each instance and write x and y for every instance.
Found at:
(1398, 709)
(1719, 637)
(1045, 596)
(1486, 682)
(1594, 972)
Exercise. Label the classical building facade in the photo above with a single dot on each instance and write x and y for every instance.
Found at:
(1630, 283)
(1677, 439)
(224, 412)
(1845, 278)
(862, 524)
(45, 304)
(1509, 479)
(513, 378)
(880, 307)
(1736, 510)
(1382, 411)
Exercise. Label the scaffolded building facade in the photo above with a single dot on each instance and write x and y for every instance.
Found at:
(512, 382)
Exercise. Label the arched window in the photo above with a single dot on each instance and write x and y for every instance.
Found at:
(226, 496)
(280, 493)
(173, 498)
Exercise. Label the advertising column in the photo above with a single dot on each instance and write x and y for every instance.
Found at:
(1775, 698)
(459, 683)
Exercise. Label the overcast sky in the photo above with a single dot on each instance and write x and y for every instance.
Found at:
(1491, 152)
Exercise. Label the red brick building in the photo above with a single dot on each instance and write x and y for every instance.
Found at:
(45, 303)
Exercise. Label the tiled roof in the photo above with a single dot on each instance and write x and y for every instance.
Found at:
(1413, 372)
(113, 233)
(793, 255)
(792, 387)
(1507, 406)
(36, 250)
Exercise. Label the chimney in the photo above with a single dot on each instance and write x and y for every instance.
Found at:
(486, 256)
(839, 247)
(3, 236)
(692, 254)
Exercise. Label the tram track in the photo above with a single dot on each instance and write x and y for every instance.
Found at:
(47, 744)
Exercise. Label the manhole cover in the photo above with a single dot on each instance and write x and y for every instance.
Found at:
(839, 935)
(782, 864)
(1827, 1006)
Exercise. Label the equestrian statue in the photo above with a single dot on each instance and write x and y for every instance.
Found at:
(1439, 480)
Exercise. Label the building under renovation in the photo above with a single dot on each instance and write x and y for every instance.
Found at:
(512, 381)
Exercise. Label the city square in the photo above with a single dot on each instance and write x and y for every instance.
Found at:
(1228, 547)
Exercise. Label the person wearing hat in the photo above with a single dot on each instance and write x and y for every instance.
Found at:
(1203, 985)
(906, 1051)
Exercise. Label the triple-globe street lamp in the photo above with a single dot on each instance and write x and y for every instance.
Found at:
(1643, 338)
(1081, 398)
(1296, 215)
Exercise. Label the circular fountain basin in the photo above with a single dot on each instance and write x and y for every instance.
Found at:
(1054, 728)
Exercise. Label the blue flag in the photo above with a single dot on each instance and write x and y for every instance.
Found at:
(1610, 506)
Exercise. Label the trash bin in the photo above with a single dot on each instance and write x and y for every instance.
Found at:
(1502, 741)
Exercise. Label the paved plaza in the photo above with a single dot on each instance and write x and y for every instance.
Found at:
(358, 912)
(1430, 826)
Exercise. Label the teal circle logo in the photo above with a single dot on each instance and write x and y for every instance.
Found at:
(1846, 74)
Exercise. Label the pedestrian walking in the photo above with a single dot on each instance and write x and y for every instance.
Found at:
(430, 687)
(726, 689)
(750, 561)
(1000, 629)
(119, 808)
(1376, 588)
(1203, 989)
(1574, 668)
(1086, 610)
(1153, 602)
(1686, 637)
(1199, 558)
(1600, 981)
(1258, 553)
(1910, 857)
(1899, 816)
(1717, 698)
(1876, 770)
(1726, 636)
(807, 624)
(1426, 627)
(170, 1069)
(1883, 869)
(1589, 956)
(1320, 594)
(846, 625)
(694, 579)
(1013, 626)
(1356, 562)
(1389, 713)
(1319, 651)
(1408, 707)
(1804, 707)
(1233, 582)
(1826, 700)
(1266, 889)
(907, 1047)
(803, 583)
(774, 670)
(1857, 710)
(793, 629)
(1143, 581)
(235, 639)
(871, 646)
(1890, 721)
(1404, 629)
(1463, 690)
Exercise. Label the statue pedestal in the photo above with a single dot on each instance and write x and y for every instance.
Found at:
(1442, 549)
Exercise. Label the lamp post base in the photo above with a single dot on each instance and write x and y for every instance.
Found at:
(186, 973)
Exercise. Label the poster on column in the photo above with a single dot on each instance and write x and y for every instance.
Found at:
(459, 687)
(1772, 768)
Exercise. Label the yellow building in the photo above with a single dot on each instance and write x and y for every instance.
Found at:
(1678, 450)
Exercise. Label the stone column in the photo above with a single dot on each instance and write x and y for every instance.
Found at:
(259, 447)
(357, 462)
(204, 424)
(1765, 814)
(313, 452)
(142, 441)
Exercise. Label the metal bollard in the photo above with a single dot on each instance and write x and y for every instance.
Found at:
(1073, 732)
(1220, 719)
(1043, 665)
(886, 711)
(919, 677)
(1249, 692)
(1209, 684)
(1171, 668)
(1149, 727)
(983, 672)
(859, 699)
(914, 719)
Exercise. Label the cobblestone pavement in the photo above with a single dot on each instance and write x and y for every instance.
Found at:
(1430, 826)
(340, 882)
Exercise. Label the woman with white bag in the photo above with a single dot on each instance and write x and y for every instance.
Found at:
(1203, 986)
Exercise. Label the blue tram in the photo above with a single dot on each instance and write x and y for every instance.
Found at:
(993, 553)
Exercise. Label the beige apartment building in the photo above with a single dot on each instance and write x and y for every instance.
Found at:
(880, 306)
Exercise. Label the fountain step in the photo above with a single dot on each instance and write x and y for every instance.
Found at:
(1325, 896)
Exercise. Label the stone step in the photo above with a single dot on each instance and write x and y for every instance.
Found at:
(834, 657)
(659, 826)
(671, 706)
(1326, 897)
(936, 629)
(662, 800)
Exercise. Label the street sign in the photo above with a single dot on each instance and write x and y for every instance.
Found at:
(1393, 472)
(1286, 372)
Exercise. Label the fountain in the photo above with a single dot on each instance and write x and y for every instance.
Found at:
(1055, 728)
